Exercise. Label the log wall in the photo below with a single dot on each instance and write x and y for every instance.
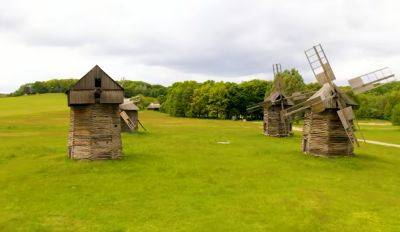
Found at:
(323, 134)
(95, 132)
(273, 123)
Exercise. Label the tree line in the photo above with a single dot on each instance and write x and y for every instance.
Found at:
(226, 100)
(380, 103)
(132, 88)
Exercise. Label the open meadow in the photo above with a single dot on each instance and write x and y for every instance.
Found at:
(177, 177)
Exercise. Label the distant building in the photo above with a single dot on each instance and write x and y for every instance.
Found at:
(154, 106)
(274, 124)
(132, 111)
(95, 125)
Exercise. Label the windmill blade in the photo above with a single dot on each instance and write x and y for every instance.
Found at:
(257, 106)
(371, 80)
(346, 116)
(298, 96)
(301, 107)
(359, 129)
(319, 64)
(276, 68)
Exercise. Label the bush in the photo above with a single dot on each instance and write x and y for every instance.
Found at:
(396, 115)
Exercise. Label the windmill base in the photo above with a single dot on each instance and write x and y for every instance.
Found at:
(95, 132)
(324, 135)
(274, 125)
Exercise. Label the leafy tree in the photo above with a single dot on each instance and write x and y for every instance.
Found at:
(236, 106)
(144, 101)
(314, 86)
(396, 115)
(253, 92)
(134, 88)
(217, 100)
(200, 100)
(50, 86)
(179, 98)
(291, 81)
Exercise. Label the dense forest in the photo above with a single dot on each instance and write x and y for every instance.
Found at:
(227, 100)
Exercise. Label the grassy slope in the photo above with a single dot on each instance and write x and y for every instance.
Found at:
(177, 178)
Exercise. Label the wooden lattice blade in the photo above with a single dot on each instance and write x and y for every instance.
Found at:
(127, 120)
(319, 64)
(346, 116)
(371, 80)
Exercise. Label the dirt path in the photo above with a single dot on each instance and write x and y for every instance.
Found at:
(374, 123)
(361, 140)
(380, 143)
(297, 128)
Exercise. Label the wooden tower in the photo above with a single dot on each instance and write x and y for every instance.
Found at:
(131, 111)
(95, 125)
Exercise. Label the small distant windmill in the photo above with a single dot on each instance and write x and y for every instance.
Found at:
(273, 104)
(328, 124)
(274, 124)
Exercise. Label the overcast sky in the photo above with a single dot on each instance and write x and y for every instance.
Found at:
(167, 41)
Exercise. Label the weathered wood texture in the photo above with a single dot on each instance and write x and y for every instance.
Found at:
(323, 134)
(133, 115)
(81, 97)
(112, 96)
(88, 80)
(95, 132)
(108, 90)
(326, 94)
(274, 125)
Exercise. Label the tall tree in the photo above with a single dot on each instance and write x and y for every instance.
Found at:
(291, 81)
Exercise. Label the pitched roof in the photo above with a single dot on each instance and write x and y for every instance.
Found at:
(326, 93)
(276, 96)
(128, 105)
(87, 81)
(153, 106)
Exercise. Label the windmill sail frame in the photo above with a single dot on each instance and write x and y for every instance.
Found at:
(371, 80)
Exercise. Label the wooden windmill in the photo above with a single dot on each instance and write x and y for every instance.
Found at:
(328, 124)
(95, 125)
(274, 124)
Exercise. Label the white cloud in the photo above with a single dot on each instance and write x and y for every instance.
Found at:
(167, 41)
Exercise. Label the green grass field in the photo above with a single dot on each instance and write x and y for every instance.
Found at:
(177, 177)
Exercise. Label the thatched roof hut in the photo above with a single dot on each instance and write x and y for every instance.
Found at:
(95, 126)
(274, 124)
(323, 132)
(154, 106)
(132, 111)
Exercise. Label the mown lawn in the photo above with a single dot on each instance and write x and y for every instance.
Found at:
(177, 177)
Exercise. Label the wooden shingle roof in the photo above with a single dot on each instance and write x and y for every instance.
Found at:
(276, 96)
(326, 93)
